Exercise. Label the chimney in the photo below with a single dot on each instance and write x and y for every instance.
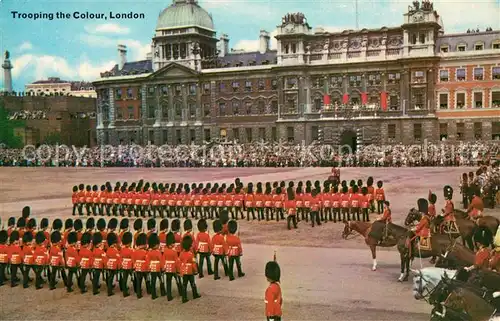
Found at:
(264, 41)
(122, 56)
(224, 45)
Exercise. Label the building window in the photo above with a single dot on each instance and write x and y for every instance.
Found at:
(262, 134)
(206, 135)
(119, 113)
(394, 78)
(222, 109)
(444, 48)
(461, 47)
(151, 136)
(164, 90)
(236, 86)
(290, 134)
(443, 75)
(164, 110)
(165, 136)
(291, 105)
(418, 76)
(206, 109)
(315, 133)
(236, 107)
(261, 107)
(394, 102)
(443, 101)
(206, 88)
(478, 100)
(417, 132)
(460, 100)
(178, 90)
(274, 107)
(495, 73)
(192, 89)
(291, 83)
(479, 46)
(318, 103)
(414, 39)
(249, 134)
(495, 130)
(495, 99)
(118, 94)
(478, 73)
(130, 112)
(274, 134)
(192, 135)
(391, 131)
(192, 110)
(248, 107)
(262, 84)
(355, 81)
(443, 131)
(178, 111)
(222, 87)
(418, 100)
(236, 134)
(422, 37)
(248, 86)
(274, 85)
(151, 112)
(129, 93)
(478, 130)
(461, 74)
(178, 136)
(460, 131)
(495, 44)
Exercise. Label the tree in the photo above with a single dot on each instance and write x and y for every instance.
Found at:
(7, 127)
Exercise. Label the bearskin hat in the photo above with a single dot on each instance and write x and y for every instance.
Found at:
(78, 225)
(355, 189)
(27, 237)
(112, 224)
(21, 222)
(112, 239)
(217, 226)
(55, 237)
(423, 205)
(138, 224)
(448, 192)
(72, 237)
(96, 239)
(86, 238)
(44, 223)
(343, 183)
(153, 240)
(57, 224)
(202, 225)
(3, 236)
(68, 224)
(101, 224)
(369, 181)
(75, 189)
(26, 212)
(32, 223)
(14, 236)
(127, 238)
(314, 192)
(364, 190)
(273, 271)
(387, 203)
(290, 194)
(95, 188)
(39, 238)
(90, 224)
(11, 221)
(81, 187)
(432, 198)
(380, 184)
(187, 242)
(360, 182)
(176, 225)
(124, 224)
(170, 238)
(345, 189)
(164, 224)
(224, 216)
(232, 226)
(308, 189)
(151, 224)
(142, 239)
(483, 236)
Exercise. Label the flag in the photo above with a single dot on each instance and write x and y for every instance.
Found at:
(326, 95)
(383, 100)
(345, 98)
(364, 98)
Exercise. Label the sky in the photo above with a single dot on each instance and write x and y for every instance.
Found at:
(79, 49)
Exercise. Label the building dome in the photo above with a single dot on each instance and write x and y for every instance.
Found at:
(184, 13)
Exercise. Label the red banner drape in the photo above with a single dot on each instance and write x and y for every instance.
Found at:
(326, 100)
(383, 100)
(364, 98)
(345, 98)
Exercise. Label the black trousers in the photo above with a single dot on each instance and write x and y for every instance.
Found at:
(274, 318)
(26, 275)
(124, 282)
(38, 269)
(233, 259)
(315, 218)
(53, 276)
(139, 278)
(221, 258)
(3, 266)
(366, 216)
(189, 279)
(154, 277)
(96, 274)
(174, 276)
(72, 272)
(203, 257)
(380, 207)
(83, 279)
(110, 276)
(291, 219)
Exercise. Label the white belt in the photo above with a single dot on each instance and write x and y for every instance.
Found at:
(169, 261)
(275, 301)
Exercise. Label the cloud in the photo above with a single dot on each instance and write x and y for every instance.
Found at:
(111, 28)
(44, 66)
(25, 46)
(254, 45)
(138, 49)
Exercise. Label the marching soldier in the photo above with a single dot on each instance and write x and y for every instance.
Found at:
(137, 228)
(365, 204)
(86, 260)
(204, 247)
(163, 234)
(315, 207)
(235, 251)
(449, 209)
(151, 226)
(188, 230)
(354, 202)
(188, 268)
(123, 229)
(273, 298)
(140, 266)
(371, 193)
(28, 257)
(4, 255)
(127, 266)
(81, 198)
(41, 258)
(15, 257)
(68, 228)
(483, 239)
(290, 208)
(101, 228)
(155, 262)
(72, 260)
(11, 225)
(99, 255)
(74, 200)
(432, 204)
(380, 197)
(112, 261)
(176, 226)
(44, 225)
(56, 257)
(90, 225)
(476, 207)
(172, 266)
(219, 249)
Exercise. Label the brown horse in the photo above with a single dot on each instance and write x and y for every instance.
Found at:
(488, 221)
(457, 256)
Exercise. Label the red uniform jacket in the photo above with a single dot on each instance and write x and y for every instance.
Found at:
(336, 200)
(113, 259)
(127, 257)
(81, 196)
(15, 254)
(193, 246)
(233, 245)
(364, 202)
(155, 261)
(86, 258)
(178, 239)
(238, 200)
(4, 254)
(371, 193)
(278, 200)
(219, 246)
(163, 240)
(171, 259)
(431, 210)
(354, 201)
(74, 198)
(290, 207)
(423, 227)
(28, 257)
(258, 199)
(476, 206)
(273, 300)
(188, 263)
(344, 200)
(203, 243)
(99, 258)
(72, 257)
(139, 258)
(482, 258)
(380, 194)
(249, 200)
(387, 216)
(56, 255)
(315, 203)
(326, 200)
(41, 256)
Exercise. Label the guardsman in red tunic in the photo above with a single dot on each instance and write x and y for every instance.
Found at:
(476, 207)
(250, 202)
(259, 199)
(175, 227)
(163, 234)
(278, 199)
(335, 199)
(291, 209)
(156, 263)
(140, 266)
(355, 203)
(172, 266)
(188, 230)
(74, 200)
(137, 229)
(234, 250)
(44, 225)
(68, 228)
(95, 199)
(151, 227)
(28, 257)
(345, 203)
(112, 261)
(88, 199)
(99, 255)
(102, 200)
(124, 224)
(267, 198)
(130, 200)
(81, 198)
(109, 200)
(197, 203)
(273, 298)
(78, 228)
(56, 257)
(72, 259)
(238, 202)
(432, 204)
(422, 230)
(41, 258)
(4, 255)
(188, 268)
(483, 239)
(326, 202)
(127, 266)
(219, 249)
(86, 260)
(204, 247)
(15, 257)
(90, 225)
(101, 229)
(315, 207)
(371, 193)
(380, 197)
(123, 200)
(11, 225)
(364, 202)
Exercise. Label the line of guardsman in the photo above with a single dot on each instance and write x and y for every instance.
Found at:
(110, 251)
(333, 201)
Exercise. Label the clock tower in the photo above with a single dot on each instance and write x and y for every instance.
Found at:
(421, 29)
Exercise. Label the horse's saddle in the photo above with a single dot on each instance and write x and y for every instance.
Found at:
(424, 242)
(450, 227)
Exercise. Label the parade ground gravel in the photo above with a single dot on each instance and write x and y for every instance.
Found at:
(323, 276)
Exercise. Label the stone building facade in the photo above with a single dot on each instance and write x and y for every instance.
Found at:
(352, 87)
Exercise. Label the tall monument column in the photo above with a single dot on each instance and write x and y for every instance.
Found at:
(7, 74)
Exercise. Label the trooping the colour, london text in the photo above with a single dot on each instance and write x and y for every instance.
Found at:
(77, 15)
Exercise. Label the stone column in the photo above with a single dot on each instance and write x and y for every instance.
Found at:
(307, 86)
(144, 104)
(159, 108)
(185, 112)
(111, 108)
(280, 58)
(281, 97)
(404, 91)
(431, 105)
(171, 111)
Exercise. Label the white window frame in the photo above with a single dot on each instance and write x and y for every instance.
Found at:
(460, 45)
(438, 107)
(493, 90)
(479, 43)
(456, 73)
(444, 46)
(473, 99)
(439, 75)
(491, 71)
(495, 42)
(474, 74)
(460, 91)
